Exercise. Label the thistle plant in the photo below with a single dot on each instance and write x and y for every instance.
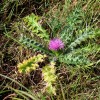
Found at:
(31, 64)
(49, 77)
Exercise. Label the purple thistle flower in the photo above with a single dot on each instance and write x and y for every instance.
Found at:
(56, 44)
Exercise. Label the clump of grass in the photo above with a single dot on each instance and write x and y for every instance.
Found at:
(76, 83)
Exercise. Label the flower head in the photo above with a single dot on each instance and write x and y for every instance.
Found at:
(56, 44)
